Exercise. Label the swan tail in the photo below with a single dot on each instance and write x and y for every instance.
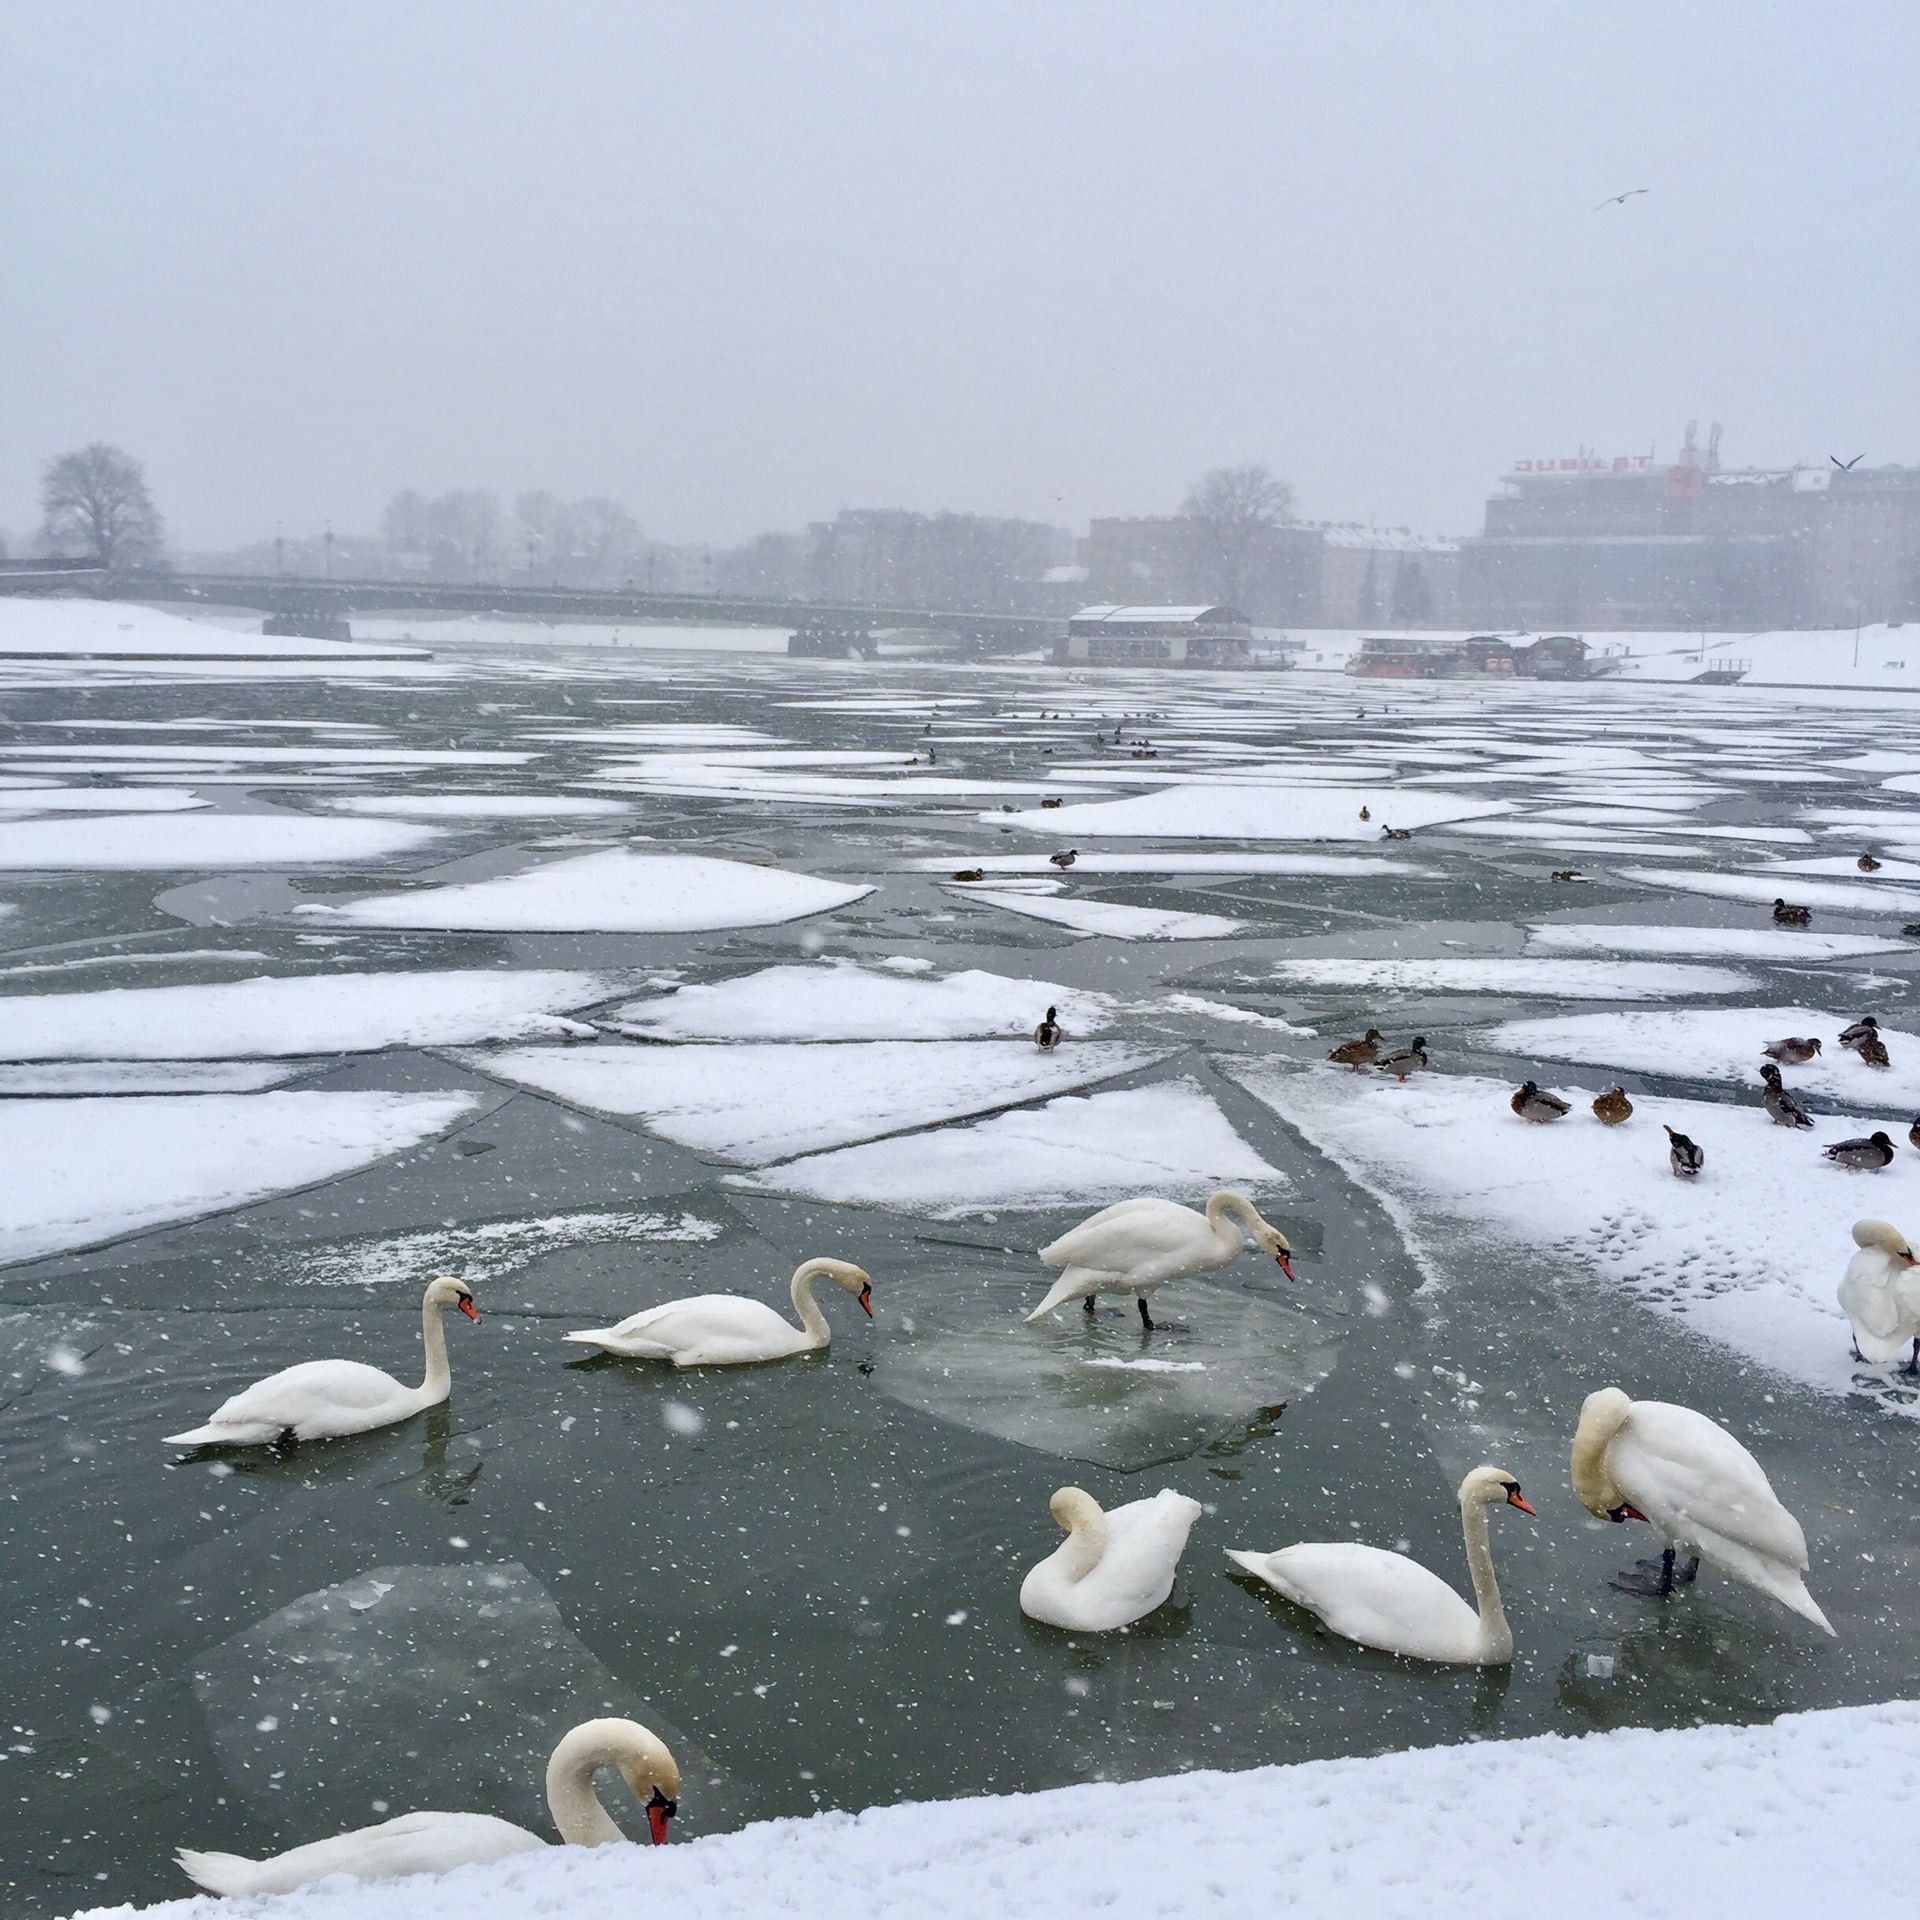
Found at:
(1074, 1284)
(214, 1434)
(229, 1874)
(627, 1346)
(1253, 1563)
(1772, 1576)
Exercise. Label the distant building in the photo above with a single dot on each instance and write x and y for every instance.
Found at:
(1159, 558)
(1386, 576)
(1148, 636)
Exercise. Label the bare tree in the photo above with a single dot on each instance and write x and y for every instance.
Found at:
(605, 535)
(94, 504)
(1229, 510)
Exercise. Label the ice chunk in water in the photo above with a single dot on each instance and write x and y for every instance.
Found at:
(426, 1687)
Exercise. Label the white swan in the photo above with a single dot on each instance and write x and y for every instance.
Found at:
(1112, 1568)
(725, 1330)
(1880, 1293)
(328, 1399)
(1137, 1245)
(439, 1842)
(1385, 1600)
(1698, 1488)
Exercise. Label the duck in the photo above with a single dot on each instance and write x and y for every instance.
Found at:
(1397, 833)
(1047, 1035)
(1698, 1488)
(1791, 916)
(439, 1842)
(1867, 863)
(1138, 1245)
(1568, 873)
(1610, 1109)
(330, 1399)
(1112, 1568)
(1366, 813)
(1792, 1053)
(1056, 800)
(1863, 1156)
(1389, 1601)
(1357, 1053)
(1683, 1155)
(1064, 860)
(1533, 1103)
(1913, 1132)
(1880, 1295)
(1782, 1108)
(1855, 1035)
(1409, 1059)
(1873, 1052)
(971, 873)
(728, 1330)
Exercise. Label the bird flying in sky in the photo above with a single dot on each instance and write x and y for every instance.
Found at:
(1620, 199)
(1846, 466)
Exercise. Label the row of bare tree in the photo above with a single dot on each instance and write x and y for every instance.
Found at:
(593, 541)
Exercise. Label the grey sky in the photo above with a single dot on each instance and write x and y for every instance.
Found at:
(743, 265)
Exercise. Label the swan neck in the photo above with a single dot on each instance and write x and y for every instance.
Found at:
(1227, 1214)
(1086, 1543)
(1496, 1635)
(1602, 1416)
(643, 1762)
(433, 1336)
(806, 1306)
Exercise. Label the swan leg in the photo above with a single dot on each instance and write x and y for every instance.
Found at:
(1654, 1578)
(1913, 1365)
(1146, 1319)
(1088, 1303)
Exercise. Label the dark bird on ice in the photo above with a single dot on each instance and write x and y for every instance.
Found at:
(1407, 1060)
(1535, 1104)
(1684, 1155)
(1867, 863)
(1064, 860)
(1790, 916)
(1792, 1052)
(1781, 1106)
(1612, 1108)
(1866, 1024)
(1864, 1156)
(1873, 1052)
(1357, 1053)
(1047, 1035)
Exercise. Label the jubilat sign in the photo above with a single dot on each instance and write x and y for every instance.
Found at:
(1586, 463)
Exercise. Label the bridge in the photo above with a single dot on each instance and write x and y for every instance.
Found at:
(318, 609)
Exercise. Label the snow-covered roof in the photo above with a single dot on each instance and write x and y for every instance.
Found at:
(1157, 616)
(1388, 540)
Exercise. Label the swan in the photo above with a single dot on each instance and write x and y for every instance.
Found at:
(725, 1330)
(439, 1842)
(1137, 1245)
(329, 1399)
(1385, 1600)
(1698, 1488)
(1112, 1568)
(1880, 1294)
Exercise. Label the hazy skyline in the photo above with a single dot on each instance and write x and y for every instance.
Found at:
(740, 266)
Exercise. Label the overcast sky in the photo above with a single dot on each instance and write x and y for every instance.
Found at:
(743, 265)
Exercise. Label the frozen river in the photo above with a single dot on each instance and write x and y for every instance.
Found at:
(323, 981)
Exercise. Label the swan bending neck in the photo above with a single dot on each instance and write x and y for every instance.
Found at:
(1086, 1545)
(1496, 1635)
(1227, 1206)
(644, 1763)
(1602, 1416)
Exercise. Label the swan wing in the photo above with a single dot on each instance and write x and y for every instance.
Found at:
(707, 1329)
(317, 1399)
(1122, 1237)
(1870, 1297)
(1699, 1486)
(415, 1843)
(1379, 1599)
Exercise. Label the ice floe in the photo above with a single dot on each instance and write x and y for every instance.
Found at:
(1307, 865)
(475, 806)
(1109, 918)
(1706, 943)
(1770, 883)
(119, 630)
(842, 1001)
(145, 1076)
(181, 841)
(1563, 979)
(612, 892)
(1168, 1139)
(758, 1102)
(98, 800)
(303, 1014)
(1218, 810)
(74, 1172)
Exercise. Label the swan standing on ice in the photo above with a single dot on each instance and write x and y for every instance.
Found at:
(1880, 1294)
(1112, 1568)
(1698, 1488)
(329, 1399)
(1385, 1600)
(726, 1330)
(439, 1842)
(1137, 1245)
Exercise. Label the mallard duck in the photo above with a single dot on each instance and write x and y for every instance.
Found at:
(1863, 1156)
(1533, 1103)
(1856, 1033)
(1913, 1132)
(1873, 1052)
(1064, 860)
(1366, 813)
(1781, 1106)
(971, 873)
(1056, 801)
(1612, 1108)
(1867, 863)
(1684, 1155)
(1047, 1035)
(1407, 1060)
(1788, 916)
(1568, 873)
(1792, 1053)
(1357, 1053)
(1398, 833)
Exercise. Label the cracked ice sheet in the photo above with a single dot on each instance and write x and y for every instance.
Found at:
(1563, 979)
(1341, 865)
(307, 1014)
(472, 806)
(77, 1172)
(1724, 1043)
(185, 841)
(1223, 811)
(759, 1102)
(1109, 918)
(843, 1001)
(1766, 884)
(1168, 1139)
(1707, 943)
(98, 800)
(1748, 1254)
(612, 892)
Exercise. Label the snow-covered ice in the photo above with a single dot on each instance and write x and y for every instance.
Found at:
(476, 806)
(1220, 811)
(1563, 979)
(118, 629)
(75, 1172)
(1790, 1817)
(303, 1014)
(1168, 1139)
(98, 800)
(1344, 866)
(1113, 919)
(177, 841)
(1706, 943)
(843, 1001)
(612, 892)
(1766, 884)
(145, 1076)
(757, 1102)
